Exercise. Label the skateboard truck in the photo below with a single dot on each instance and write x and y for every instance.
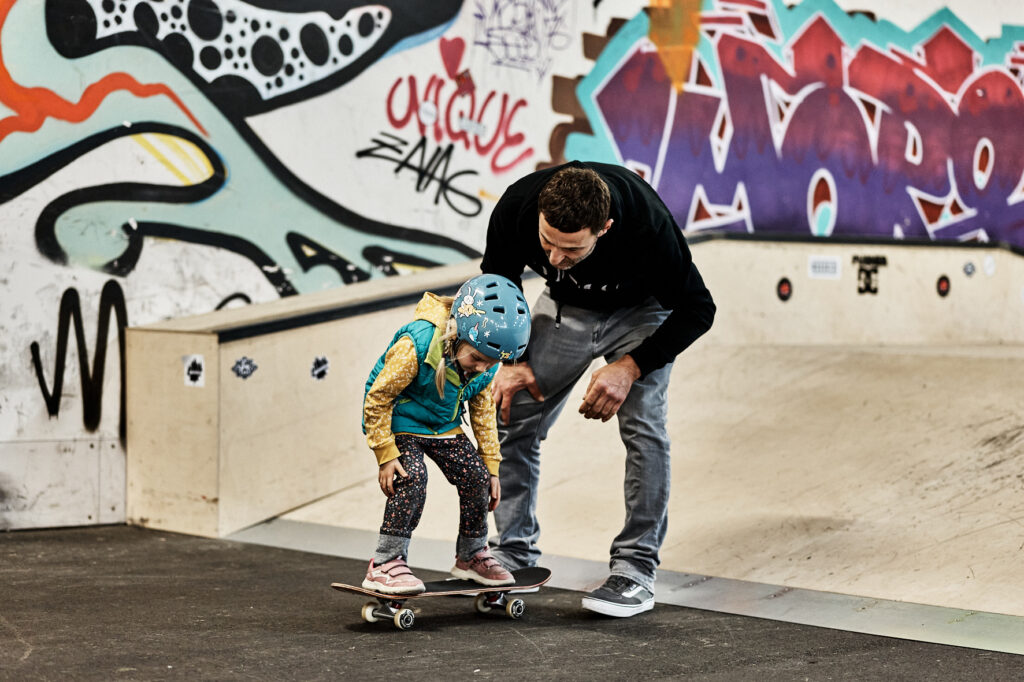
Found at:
(393, 609)
(490, 601)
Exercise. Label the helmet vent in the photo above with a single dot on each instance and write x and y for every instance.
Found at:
(499, 309)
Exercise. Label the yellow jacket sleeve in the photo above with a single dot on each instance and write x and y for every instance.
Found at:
(483, 418)
(400, 367)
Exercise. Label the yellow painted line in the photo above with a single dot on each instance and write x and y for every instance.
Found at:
(184, 166)
(189, 152)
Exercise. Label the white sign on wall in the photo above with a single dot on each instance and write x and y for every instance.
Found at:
(824, 267)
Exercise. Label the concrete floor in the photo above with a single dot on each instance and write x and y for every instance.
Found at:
(122, 603)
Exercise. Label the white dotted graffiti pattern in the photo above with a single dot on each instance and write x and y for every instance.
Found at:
(277, 52)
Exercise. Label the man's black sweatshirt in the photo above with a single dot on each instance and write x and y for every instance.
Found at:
(643, 254)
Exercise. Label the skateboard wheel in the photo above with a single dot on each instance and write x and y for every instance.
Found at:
(515, 608)
(481, 603)
(368, 612)
(404, 618)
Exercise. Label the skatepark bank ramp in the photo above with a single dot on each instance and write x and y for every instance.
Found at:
(851, 424)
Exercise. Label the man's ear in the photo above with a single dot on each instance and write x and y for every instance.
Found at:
(606, 227)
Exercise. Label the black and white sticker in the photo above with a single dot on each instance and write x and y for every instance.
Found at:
(321, 365)
(244, 367)
(194, 367)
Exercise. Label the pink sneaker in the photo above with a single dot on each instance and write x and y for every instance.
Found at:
(482, 568)
(393, 577)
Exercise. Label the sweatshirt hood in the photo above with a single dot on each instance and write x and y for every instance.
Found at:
(434, 310)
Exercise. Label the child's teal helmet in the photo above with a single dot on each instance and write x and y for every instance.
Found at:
(492, 316)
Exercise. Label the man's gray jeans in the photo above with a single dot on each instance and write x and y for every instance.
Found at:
(559, 354)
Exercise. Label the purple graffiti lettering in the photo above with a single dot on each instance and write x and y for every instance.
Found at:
(856, 139)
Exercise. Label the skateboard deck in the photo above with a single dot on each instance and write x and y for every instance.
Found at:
(488, 598)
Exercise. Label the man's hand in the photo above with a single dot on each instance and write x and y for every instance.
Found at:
(608, 388)
(495, 493)
(386, 476)
(510, 380)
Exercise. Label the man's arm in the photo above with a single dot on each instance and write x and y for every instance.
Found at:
(693, 312)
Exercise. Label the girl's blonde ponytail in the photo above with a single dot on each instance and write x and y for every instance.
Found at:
(448, 341)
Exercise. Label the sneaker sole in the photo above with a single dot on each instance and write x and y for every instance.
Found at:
(477, 578)
(617, 610)
(384, 589)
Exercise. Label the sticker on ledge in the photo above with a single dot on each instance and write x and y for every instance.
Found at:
(784, 289)
(321, 365)
(824, 267)
(942, 286)
(244, 367)
(867, 272)
(195, 370)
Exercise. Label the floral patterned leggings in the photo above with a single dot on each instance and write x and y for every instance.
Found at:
(460, 463)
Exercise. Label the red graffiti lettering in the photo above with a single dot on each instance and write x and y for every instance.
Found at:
(449, 110)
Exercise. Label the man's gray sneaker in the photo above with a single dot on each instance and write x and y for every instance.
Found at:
(621, 597)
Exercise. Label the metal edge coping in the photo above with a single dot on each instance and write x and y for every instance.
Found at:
(850, 613)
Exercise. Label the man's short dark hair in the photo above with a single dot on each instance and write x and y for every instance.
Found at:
(574, 199)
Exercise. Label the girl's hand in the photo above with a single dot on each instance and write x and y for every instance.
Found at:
(386, 476)
(495, 493)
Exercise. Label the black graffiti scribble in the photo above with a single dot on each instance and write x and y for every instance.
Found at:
(522, 34)
(237, 296)
(111, 299)
(390, 147)
(388, 261)
(309, 253)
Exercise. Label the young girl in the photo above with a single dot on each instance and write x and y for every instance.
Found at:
(413, 406)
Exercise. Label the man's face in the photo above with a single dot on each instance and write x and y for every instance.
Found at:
(566, 249)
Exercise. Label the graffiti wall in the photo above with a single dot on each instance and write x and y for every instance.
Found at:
(161, 158)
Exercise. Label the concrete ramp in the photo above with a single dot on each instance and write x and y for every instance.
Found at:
(885, 473)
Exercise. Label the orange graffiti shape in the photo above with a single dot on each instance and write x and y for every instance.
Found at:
(675, 30)
(32, 106)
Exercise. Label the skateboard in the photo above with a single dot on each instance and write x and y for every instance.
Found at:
(392, 606)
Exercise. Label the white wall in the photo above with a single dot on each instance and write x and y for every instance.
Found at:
(226, 184)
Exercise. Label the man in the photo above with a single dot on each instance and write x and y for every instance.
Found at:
(620, 285)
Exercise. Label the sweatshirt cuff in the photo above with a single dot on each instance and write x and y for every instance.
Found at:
(387, 453)
(645, 359)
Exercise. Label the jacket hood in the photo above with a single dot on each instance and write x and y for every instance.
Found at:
(434, 310)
